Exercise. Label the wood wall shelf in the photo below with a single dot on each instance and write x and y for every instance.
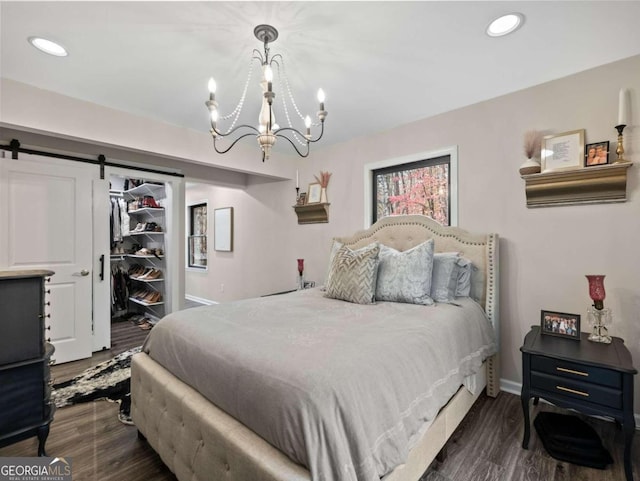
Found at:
(312, 213)
(598, 184)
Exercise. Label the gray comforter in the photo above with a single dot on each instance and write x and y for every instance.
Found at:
(340, 388)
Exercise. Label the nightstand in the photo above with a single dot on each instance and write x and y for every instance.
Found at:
(592, 378)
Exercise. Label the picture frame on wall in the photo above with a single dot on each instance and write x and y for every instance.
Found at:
(596, 154)
(560, 324)
(314, 193)
(563, 151)
(223, 229)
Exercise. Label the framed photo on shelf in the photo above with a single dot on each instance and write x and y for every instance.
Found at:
(563, 151)
(314, 191)
(560, 324)
(302, 198)
(596, 154)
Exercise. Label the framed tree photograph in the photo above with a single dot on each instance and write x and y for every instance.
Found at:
(560, 324)
(563, 151)
(596, 154)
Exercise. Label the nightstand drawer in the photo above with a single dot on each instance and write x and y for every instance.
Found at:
(578, 372)
(584, 391)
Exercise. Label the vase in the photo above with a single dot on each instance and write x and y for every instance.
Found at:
(530, 166)
(323, 195)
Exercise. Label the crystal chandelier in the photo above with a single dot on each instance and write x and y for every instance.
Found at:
(268, 130)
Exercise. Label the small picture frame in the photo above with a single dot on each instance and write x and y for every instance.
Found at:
(302, 198)
(563, 151)
(596, 154)
(560, 324)
(314, 193)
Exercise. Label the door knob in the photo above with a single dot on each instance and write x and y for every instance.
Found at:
(84, 272)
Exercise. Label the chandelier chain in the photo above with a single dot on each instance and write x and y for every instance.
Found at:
(286, 109)
(236, 112)
(288, 87)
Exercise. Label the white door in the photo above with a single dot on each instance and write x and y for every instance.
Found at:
(46, 223)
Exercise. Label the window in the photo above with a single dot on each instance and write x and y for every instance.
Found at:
(423, 184)
(197, 240)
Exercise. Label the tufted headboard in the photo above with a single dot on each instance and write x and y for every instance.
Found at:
(403, 232)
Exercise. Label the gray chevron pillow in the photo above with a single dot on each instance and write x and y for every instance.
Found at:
(352, 274)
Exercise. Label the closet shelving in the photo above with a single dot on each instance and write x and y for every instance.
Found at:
(139, 213)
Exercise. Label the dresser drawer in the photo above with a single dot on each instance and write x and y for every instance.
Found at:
(21, 396)
(575, 371)
(584, 391)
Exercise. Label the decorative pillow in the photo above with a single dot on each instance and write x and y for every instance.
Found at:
(445, 276)
(352, 274)
(406, 276)
(335, 247)
(463, 286)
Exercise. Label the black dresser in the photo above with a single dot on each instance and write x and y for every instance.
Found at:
(590, 377)
(25, 355)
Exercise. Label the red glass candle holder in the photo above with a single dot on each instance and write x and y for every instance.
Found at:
(596, 290)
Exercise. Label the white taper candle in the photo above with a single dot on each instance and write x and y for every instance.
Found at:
(623, 107)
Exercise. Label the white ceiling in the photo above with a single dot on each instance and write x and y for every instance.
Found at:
(382, 64)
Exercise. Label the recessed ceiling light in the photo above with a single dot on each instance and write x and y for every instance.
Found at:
(47, 46)
(505, 24)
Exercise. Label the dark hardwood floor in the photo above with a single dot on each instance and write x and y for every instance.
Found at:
(486, 446)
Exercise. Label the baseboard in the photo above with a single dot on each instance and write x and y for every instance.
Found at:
(200, 300)
(516, 388)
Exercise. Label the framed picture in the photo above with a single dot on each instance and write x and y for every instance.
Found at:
(313, 196)
(223, 229)
(560, 324)
(596, 154)
(302, 198)
(563, 151)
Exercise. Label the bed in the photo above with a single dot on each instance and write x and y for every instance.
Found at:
(198, 440)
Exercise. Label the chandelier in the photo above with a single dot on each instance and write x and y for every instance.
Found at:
(267, 131)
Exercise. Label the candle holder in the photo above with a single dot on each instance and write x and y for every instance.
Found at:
(599, 317)
(620, 147)
(297, 195)
(300, 274)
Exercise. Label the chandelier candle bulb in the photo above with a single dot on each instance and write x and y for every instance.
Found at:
(321, 98)
(212, 89)
(307, 123)
(268, 76)
(623, 107)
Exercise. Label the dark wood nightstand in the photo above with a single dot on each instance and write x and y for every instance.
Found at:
(590, 377)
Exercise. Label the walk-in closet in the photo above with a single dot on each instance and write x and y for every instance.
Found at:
(138, 228)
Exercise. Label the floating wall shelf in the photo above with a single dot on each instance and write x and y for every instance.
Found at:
(598, 184)
(312, 213)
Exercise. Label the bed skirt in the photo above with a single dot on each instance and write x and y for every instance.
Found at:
(199, 442)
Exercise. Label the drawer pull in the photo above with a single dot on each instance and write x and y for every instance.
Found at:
(561, 388)
(571, 371)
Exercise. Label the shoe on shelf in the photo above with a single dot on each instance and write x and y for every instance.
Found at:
(149, 201)
(144, 252)
(155, 274)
